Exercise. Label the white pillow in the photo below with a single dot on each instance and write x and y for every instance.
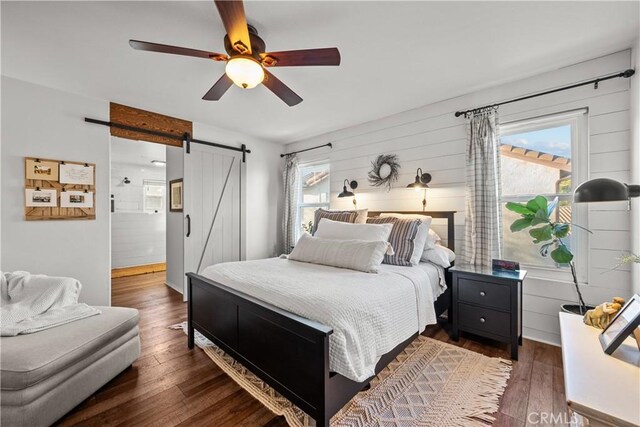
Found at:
(360, 255)
(440, 255)
(422, 239)
(328, 229)
(361, 216)
(432, 240)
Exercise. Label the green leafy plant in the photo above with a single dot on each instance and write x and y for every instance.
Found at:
(536, 215)
(308, 227)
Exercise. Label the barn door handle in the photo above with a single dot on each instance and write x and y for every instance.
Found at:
(188, 226)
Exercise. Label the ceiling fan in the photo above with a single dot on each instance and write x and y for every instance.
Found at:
(246, 59)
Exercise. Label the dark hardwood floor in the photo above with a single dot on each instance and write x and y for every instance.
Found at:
(171, 385)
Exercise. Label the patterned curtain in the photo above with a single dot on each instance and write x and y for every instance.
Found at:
(291, 178)
(483, 214)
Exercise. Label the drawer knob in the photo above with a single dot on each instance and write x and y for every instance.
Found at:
(482, 293)
(482, 320)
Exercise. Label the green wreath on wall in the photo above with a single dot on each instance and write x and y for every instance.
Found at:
(384, 171)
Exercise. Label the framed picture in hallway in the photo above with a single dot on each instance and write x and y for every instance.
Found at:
(175, 195)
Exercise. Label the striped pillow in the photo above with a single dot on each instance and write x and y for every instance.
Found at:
(340, 216)
(402, 239)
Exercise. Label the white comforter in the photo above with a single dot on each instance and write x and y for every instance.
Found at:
(370, 313)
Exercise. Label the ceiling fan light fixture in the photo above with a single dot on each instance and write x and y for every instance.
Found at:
(245, 72)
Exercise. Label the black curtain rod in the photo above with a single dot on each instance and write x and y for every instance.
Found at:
(328, 144)
(184, 138)
(626, 74)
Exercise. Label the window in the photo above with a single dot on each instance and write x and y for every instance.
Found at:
(544, 156)
(314, 193)
(153, 193)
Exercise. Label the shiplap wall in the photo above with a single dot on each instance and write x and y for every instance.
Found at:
(431, 137)
(137, 238)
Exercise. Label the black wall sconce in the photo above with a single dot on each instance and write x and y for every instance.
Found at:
(605, 190)
(421, 183)
(349, 193)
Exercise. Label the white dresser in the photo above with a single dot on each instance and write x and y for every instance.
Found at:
(603, 389)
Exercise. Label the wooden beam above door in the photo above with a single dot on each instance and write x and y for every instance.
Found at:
(136, 117)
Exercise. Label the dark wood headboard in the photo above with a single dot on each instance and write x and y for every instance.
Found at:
(448, 215)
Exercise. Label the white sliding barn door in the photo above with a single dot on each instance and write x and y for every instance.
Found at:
(206, 169)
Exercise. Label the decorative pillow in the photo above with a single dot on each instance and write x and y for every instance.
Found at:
(432, 240)
(422, 238)
(361, 215)
(360, 255)
(402, 238)
(440, 255)
(328, 229)
(341, 216)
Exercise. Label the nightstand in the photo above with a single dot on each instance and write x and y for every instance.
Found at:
(488, 303)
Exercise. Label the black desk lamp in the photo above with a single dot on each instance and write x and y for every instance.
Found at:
(604, 190)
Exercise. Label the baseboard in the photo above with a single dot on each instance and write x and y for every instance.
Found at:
(174, 287)
(138, 269)
(541, 336)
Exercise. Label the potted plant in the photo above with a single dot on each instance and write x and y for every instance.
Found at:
(536, 215)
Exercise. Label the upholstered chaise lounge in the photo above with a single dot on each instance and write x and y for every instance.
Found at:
(46, 374)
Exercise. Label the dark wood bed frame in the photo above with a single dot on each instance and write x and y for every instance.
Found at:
(287, 351)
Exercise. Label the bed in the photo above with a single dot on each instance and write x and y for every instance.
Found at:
(254, 311)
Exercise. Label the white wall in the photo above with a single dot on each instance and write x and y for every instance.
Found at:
(635, 162)
(137, 237)
(175, 224)
(43, 122)
(431, 137)
(129, 197)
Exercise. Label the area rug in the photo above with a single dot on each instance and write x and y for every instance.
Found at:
(430, 383)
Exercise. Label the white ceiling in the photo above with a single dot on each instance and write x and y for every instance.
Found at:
(395, 55)
(138, 153)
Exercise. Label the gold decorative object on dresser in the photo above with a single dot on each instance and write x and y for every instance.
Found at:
(601, 316)
(59, 189)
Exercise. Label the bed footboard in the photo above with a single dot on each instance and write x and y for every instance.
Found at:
(288, 352)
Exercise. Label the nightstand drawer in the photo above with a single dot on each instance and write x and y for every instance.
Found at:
(484, 320)
(484, 293)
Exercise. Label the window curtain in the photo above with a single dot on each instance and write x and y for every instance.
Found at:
(483, 213)
(291, 179)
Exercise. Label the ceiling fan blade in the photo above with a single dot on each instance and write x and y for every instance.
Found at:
(176, 50)
(235, 22)
(281, 90)
(292, 58)
(218, 89)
